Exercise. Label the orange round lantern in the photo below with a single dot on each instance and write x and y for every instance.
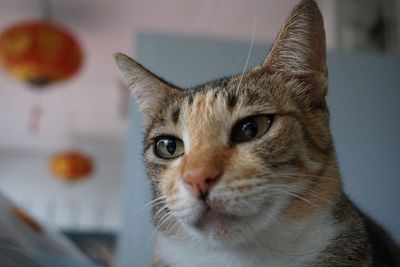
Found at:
(39, 53)
(71, 165)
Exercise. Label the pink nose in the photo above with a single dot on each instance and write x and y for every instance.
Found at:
(200, 180)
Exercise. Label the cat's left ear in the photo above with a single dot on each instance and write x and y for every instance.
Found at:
(300, 49)
(148, 89)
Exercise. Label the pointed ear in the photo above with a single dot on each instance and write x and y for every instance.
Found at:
(300, 49)
(148, 89)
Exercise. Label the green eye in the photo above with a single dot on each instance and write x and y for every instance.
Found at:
(169, 147)
(251, 128)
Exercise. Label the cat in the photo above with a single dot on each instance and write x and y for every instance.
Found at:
(243, 169)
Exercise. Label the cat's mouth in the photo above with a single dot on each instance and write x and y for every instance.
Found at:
(213, 221)
(215, 226)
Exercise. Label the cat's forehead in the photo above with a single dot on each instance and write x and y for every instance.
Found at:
(214, 103)
(250, 89)
(222, 97)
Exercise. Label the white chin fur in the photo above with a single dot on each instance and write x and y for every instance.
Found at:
(220, 228)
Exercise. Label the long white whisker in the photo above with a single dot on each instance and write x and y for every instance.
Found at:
(249, 53)
(158, 213)
(166, 215)
(289, 175)
(165, 221)
(305, 189)
(313, 205)
(153, 202)
(299, 175)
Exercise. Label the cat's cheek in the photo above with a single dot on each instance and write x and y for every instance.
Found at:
(242, 208)
(169, 182)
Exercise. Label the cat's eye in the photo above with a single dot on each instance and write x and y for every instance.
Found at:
(169, 147)
(251, 128)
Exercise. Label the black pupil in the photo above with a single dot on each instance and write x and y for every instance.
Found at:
(170, 145)
(250, 128)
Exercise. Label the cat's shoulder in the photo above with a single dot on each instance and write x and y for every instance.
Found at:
(360, 240)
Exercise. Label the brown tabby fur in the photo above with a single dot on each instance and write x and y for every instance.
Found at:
(296, 156)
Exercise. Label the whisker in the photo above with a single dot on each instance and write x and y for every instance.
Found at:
(165, 215)
(153, 202)
(308, 190)
(249, 53)
(161, 210)
(249, 196)
(256, 188)
(245, 182)
(172, 224)
(311, 204)
(298, 175)
(302, 189)
(165, 222)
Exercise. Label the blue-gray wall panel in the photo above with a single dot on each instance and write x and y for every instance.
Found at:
(363, 98)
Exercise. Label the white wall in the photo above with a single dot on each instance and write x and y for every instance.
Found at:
(88, 104)
(92, 204)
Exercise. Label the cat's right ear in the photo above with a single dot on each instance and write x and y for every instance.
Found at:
(148, 89)
(300, 50)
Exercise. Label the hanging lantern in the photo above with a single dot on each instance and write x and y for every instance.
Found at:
(71, 165)
(39, 53)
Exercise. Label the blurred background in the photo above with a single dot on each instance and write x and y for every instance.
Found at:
(70, 135)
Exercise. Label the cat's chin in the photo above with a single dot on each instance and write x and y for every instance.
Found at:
(223, 229)
(215, 227)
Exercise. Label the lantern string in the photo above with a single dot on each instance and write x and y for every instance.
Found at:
(72, 119)
(46, 8)
(35, 114)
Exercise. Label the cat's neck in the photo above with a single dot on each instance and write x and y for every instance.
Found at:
(284, 243)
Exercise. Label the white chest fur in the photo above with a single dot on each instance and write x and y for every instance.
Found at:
(283, 245)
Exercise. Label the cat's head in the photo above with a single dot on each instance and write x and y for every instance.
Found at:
(234, 155)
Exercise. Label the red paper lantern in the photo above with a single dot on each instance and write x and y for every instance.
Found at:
(71, 165)
(39, 53)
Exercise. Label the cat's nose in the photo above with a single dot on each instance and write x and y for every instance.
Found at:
(200, 180)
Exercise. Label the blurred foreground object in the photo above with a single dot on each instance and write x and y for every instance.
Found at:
(24, 242)
(39, 53)
(71, 165)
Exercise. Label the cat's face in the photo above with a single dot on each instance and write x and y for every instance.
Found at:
(229, 157)
(227, 163)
